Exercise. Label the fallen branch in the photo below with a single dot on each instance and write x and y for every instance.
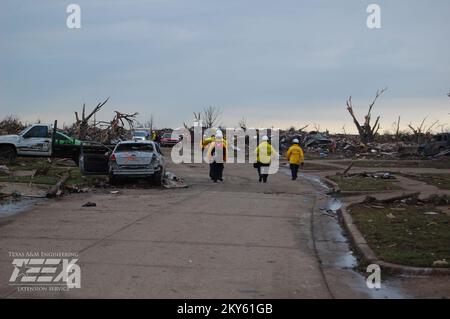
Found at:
(399, 198)
(348, 168)
(56, 189)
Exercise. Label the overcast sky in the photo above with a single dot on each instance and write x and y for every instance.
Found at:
(281, 63)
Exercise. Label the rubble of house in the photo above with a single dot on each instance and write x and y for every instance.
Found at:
(384, 147)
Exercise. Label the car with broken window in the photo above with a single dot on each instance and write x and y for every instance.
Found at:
(136, 159)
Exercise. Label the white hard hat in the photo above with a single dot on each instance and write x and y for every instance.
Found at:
(295, 141)
(265, 138)
(219, 131)
(219, 134)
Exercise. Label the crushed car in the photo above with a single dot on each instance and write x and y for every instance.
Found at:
(136, 159)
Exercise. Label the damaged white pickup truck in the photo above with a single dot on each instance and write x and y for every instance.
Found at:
(38, 140)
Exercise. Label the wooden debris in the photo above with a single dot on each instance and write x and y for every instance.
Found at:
(56, 190)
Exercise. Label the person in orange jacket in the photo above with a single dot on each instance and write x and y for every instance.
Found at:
(295, 157)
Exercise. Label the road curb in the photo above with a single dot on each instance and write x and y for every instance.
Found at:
(333, 185)
(370, 257)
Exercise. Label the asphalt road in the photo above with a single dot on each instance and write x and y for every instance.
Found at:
(236, 239)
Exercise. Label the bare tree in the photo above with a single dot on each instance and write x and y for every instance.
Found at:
(366, 131)
(397, 131)
(422, 129)
(317, 127)
(149, 123)
(116, 129)
(197, 116)
(211, 116)
(243, 124)
(443, 127)
(83, 123)
(303, 128)
(11, 125)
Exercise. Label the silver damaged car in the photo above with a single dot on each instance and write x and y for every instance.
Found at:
(136, 159)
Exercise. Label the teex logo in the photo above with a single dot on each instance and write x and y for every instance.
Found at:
(51, 271)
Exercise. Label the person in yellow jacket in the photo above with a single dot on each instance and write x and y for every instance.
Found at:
(217, 156)
(206, 142)
(264, 154)
(295, 157)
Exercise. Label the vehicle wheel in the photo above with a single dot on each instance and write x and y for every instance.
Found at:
(7, 154)
(158, 178)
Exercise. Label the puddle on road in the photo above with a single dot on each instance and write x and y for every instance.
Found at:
(15, 206)
(346, 259)
(334, 205)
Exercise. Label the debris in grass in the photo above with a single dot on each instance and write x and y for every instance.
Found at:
(4, 170)
(440, 263)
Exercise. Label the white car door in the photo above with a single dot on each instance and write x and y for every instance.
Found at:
(36, 141)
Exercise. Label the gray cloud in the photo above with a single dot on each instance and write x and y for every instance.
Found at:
(287, 61)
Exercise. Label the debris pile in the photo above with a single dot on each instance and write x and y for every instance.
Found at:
(383, 147)
(172, 181)
(86, 128)
(4, 170)
(411, 199)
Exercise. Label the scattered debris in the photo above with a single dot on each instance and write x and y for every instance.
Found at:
(89, 204)
(411, 199)
(4, 170)
(440, 263)
(56, 190)
(172, 181)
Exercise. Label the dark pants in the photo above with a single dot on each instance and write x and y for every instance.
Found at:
(294, 170)
(211, 170)
(216, 171)
(261, 168)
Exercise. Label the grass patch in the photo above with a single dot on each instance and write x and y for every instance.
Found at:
(441, 181)
(438, 164)
(50, 174)
(318, 167)
(360, 183)
(44, 180)
(404, 234)
(78, 179)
